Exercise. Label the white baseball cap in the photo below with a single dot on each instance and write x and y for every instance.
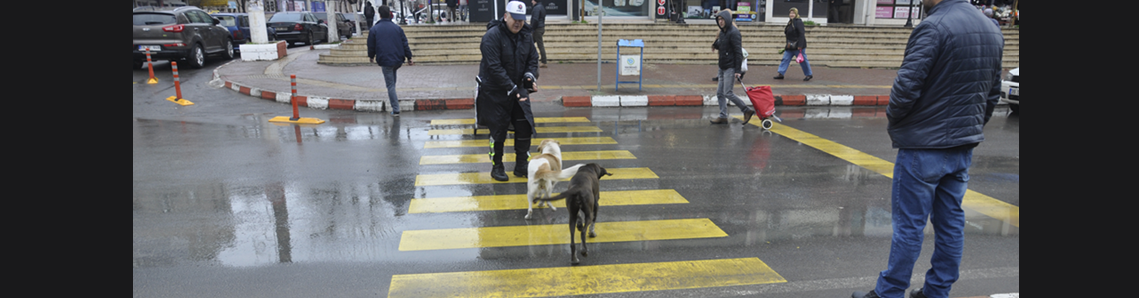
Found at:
(517, 10)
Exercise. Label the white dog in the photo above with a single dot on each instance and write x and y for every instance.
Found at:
(544, 171)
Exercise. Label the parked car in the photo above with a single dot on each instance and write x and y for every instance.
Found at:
(1010, 89)
(299, 26)
(343, 25)
(179, 33)
(238, 25)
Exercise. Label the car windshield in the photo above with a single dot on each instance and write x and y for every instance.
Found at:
(228, 21)
(142, 19)
(286, 17)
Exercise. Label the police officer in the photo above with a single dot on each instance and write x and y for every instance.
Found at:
(508, 73)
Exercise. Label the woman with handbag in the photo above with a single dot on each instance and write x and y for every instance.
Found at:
(796, 42)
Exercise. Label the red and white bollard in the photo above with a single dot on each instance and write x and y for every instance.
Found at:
(296, 112)
(150, 67)
(177, 87)
(293, 98)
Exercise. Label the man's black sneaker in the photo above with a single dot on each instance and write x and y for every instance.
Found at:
(871, 294)
(779, 77)
(917, 294)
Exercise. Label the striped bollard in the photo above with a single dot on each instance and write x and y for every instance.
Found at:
(293, 98)
(177, 88)
(296, 113)
(150, 67)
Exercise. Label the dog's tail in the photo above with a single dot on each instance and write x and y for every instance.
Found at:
(570, 171)
(560, 196)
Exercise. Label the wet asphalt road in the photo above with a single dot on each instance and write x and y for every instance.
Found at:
(226, 204)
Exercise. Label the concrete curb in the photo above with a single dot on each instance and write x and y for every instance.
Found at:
(321, 102)
(324, 103)
(710, 100)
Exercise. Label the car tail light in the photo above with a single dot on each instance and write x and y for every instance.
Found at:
(237, 35)
(170, 45)
(298, 27)
(175, 28)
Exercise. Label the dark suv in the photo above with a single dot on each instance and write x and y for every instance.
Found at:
(179, 33)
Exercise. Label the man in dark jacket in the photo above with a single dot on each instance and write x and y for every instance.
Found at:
(730, 45)
(538, 23)
(943, 96)
(509, 63)
(387, 42)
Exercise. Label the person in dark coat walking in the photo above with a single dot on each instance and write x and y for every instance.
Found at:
(730, 45)
(796, 34)
(538, 23)
(944, 94)
(451, 6)
(509, 64)
(387, 46)
(369, 14)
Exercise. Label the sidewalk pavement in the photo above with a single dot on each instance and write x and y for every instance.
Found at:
(434, 87)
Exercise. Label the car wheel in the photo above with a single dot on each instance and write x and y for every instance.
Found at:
(197, 57)
(228, 49)
(1015, 108)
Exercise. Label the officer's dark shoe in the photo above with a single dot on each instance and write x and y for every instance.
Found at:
(779, 77)
(748, 114)
(871, 294)
(720, 121)
(498, 172)
(521, 168)
(808, 78)
(917, 294)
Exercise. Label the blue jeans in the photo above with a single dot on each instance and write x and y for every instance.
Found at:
(724, 92)
(927, 184)
(389, 80)
(788, 55)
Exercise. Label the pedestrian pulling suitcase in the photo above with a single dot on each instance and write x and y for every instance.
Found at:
(763, 102)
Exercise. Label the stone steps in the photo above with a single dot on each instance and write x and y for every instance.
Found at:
(870, 47)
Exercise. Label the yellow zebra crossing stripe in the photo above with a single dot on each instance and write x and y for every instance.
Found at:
(510, 142)
(621, 231)
(536, 120)
(541, 129)
(484, 177)
(518, 202)
(585, 280)
(973, 200)
(484, 158)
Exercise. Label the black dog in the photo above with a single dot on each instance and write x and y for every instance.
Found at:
(581, 195)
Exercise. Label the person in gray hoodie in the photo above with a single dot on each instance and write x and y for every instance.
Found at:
(730, 46)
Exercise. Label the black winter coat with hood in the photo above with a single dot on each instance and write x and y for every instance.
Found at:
(507, 60)
(730, 44)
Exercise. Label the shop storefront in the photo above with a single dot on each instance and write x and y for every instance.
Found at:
(855, 12)
(858, 12)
